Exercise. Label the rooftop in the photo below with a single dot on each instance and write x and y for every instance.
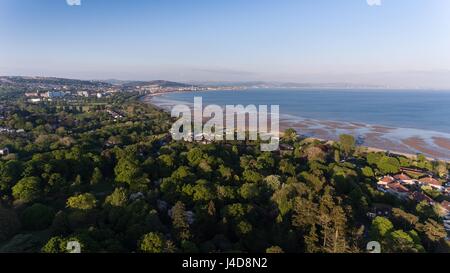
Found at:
(402, 176)
(430, 180)
(398, 187)
(387, 179)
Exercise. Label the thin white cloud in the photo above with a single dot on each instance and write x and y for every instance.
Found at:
(73, 2)
(374, 2)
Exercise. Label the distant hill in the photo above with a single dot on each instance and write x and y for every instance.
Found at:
(36, 82)
(19, 80)
(58, 82)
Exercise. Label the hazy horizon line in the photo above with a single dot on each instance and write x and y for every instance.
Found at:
(351, 85)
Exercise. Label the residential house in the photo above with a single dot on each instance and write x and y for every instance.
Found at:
(385, 180)
(405, 179)
(397, 189)
(430, 181)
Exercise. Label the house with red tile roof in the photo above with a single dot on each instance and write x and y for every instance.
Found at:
(386, 180)
(405, 179)
(397, 189)
(430, 181)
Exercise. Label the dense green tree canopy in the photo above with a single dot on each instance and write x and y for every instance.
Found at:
(85, 201)
(27, 189)
(122, 185)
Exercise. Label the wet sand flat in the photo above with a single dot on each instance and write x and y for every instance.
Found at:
(398, 140)
(338, 125)
(381, 129)
(420, 145)
(442, 142)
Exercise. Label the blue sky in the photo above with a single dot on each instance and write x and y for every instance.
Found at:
(399, 42)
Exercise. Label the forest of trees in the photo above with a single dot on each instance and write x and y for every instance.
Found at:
(121, 185)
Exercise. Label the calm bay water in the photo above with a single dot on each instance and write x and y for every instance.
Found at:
(408, 121)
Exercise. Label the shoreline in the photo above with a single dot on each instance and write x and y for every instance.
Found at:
(368, 148)
(324, 130)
